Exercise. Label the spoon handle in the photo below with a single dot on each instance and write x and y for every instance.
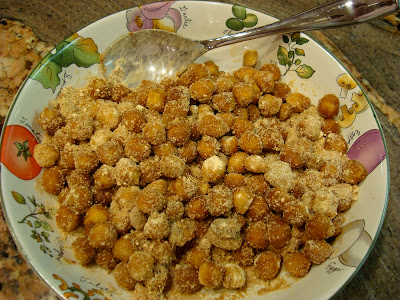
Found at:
(335, 14)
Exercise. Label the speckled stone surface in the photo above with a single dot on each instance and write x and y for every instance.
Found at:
(373, 50)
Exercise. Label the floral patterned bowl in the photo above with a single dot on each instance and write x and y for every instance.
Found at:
(305, 64)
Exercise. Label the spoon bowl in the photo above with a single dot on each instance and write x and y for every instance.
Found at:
(154, 54)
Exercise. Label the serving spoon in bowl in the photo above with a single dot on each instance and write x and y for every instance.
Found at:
(154, 54)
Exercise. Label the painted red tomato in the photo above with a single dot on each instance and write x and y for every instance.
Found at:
(17, 152)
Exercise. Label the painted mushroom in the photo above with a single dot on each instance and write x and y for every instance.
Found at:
(346, 82)
(347, 117)
(361, 103)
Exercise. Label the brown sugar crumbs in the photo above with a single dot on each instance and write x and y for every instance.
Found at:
(208, 180)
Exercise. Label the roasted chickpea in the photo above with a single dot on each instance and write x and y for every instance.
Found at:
(236, 163)
(281, 90)
(134, 120)
(66, 219)
(277, 198)
(219, 200)
(317, 251)
(244, 93)
(51, 120)
(224, 102)
(328, 106)
(274, 69)
(284, 112)
(179, 131)
(212, 125)
(229, 145)
(240, 126)
(154, 132)
(330, 126)
(250, 143)
(297, 264)
(258, 184)
(267, 265)
(156, 99)
(105, 259)
(250, 58)
(202, 90)
(353, 172)
(319, 226)
(269, 105)
(244, 74)
(295, 213)
(211, 274)
(123, 277)
(225, 83)
(298, 102)
(140, 265)
(279, 232)
(212, 68)
(265, 81)
(258, 209)
(46, 155)
(242, 199)
(82, 250)
(196, 209)
(188, 151)
(52, 180)
(186, 278)
(256, 235)
(234, 180)
(102, 235)
(335, 142)
(110, 152)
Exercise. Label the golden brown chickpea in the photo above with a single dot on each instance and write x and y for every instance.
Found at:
(254, 113)
(274, 69)
(297, 264)
(211, 275)
(122, 276)
(281, 90)
(154, 132)
(197, 256)
(330, 126)
(256, 235)
(271, 139)
(134, 120)
(298, 102)
(123, 248)
(235, 276)
(224, 102)
(105, 259)
(225, 83)
(353, 172)
(86, 160)
(244, 74)
(277, 198)
(328, 106)
(99, 88)
(250, 58)
(185, 187)
(156, 99)
(78, 199)
(150, 170)
(202, 90)
(267, 265)
(319, 226)
(188, 151)
(219, 200)
(250, 143)
(212, 68)
(178, 93)
(140, 265)
(244, 256)
(196, 209)
(295, 213)
(76, 178)
(52, 180)
(119, 91)
(126, 172)
(51, 120)
(186, 278)
(103, 235)
(234, 180)
(182, 231)
(174, 109)
(108, 115)
(212, 125)
(110, 152)
(242, 199)
(95, 214)
(265, 81)
(207, 147)
(172, 166)
(258, 209)
(269, 105)
(103, 197)
(46, 155)
(317, 251)
(335, 142)
(79, 126)
(228, 118)
(292, 156)
(150, 200)
(164, 149)
(258, 184)
(229, 144)
(83, 252)
(103, 178)
(66, 219)
(193, 73)
(137, 149)
(240, 126)
(236, 163)
(241, 112)
(179, 131)
(279, 232)
(284, 112)
(244, 93)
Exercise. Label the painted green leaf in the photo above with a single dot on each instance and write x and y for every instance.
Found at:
(37, 224)
(297, 62)
(250, 20)
(234, 24)
(295, 36)
(283, 56)
(300, 52)
(18, 197)
(291, 54)
(305, 71)
(76, 50)
(46, 72)
(32, 200)
(239, 12)
(29, 223)
(46, 226)
(301, 41)
(45, 235)
(285, 39)
(47, 215)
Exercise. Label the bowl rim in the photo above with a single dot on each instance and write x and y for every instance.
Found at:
(204, 2)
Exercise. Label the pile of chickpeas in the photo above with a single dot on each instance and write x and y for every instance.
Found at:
(198, 181)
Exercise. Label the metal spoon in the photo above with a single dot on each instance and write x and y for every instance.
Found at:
(154, 54)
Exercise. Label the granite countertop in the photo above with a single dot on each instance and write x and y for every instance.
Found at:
(370, 50)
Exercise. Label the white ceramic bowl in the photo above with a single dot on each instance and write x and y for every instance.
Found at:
(308, 67)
